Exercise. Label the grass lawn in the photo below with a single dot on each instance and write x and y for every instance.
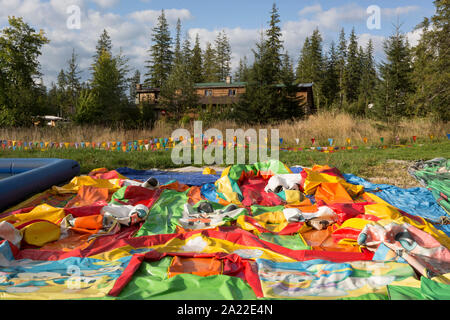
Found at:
(378, 165)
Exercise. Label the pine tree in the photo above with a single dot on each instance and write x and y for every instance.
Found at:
(241, 73)
(136, 80)
(161, 55)
(223, 55)
(395, 74)
(341, 65)
(369, 79)
(197, 62)
(274, 46)
(311, 65)
(210, 69)
(103, 44)
(431, 77)
(303, 72)
(330, 87)
(352, 73)
(177, 51)
(73, 78)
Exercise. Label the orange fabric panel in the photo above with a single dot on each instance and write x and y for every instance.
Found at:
(194, 195)
(199, 266)
(304, 206)
(88, 224)
(331, 192)
(68, 244)
(323, 241)
(175, 186)
(87, 196)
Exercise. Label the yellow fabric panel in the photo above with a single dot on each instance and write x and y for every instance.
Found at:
(224, 187)
(202, 244)
(382, 211)
(74, 185)
(40, 233)
(41, 212)
(355, 223)
(397, 217)
(443, 278)
(244, 225)
(105, 170)
(314, 179)
(294, 197)
(272, 221)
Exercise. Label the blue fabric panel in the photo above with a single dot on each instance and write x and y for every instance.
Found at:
(188, 178)
(415, 201)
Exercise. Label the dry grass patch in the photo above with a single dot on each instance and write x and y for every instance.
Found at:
(393, 172)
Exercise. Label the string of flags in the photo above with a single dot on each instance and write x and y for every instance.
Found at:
(161, 144)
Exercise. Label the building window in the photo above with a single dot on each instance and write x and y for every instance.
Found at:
(231, 92)
(208, 93)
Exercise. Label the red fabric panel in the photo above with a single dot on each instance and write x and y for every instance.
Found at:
(253, 191)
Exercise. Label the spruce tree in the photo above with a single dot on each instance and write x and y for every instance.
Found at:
(161, 55)
(341, 65)
(223, 56)
(431, 76)
(274, 46)
(330, 87)
(72, 75)
(135, 80)
(369, 80)
(103, 44)
(242, 72)
(352, 73)
(311, 64)
(395, 83)
(210, 69)
(197, 62)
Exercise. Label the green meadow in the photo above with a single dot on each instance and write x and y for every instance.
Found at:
(390, 163)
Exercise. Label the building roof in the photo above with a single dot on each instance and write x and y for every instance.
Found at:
(220, 84)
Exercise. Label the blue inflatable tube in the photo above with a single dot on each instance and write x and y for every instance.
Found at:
(30, 176)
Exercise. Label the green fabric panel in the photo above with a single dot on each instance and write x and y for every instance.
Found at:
(215, 205)
(437, 182)
(150, 282)
(368, 296)
(118, 195)
(257, 209)
(433, 290)
(294, 242)
(165, 213)
(404, 293)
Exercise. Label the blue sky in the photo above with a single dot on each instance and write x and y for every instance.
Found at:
(129, 24)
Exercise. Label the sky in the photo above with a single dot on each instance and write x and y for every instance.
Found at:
(77, 24)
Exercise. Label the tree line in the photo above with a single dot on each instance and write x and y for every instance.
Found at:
(412, 81)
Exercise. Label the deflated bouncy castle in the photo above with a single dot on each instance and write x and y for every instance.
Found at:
(251, 232)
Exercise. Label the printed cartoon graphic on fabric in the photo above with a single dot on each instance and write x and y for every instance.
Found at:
(70, 278)
(417, 247)
(195, 219)
(322, 279)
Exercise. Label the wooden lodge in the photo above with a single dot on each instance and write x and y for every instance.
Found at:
(222, 94)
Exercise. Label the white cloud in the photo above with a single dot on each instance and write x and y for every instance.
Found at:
(106, 3)
(131, 32)
(310, 9)
(151, 16)
(399, 10)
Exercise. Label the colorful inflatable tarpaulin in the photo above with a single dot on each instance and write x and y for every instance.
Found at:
(261, 231)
